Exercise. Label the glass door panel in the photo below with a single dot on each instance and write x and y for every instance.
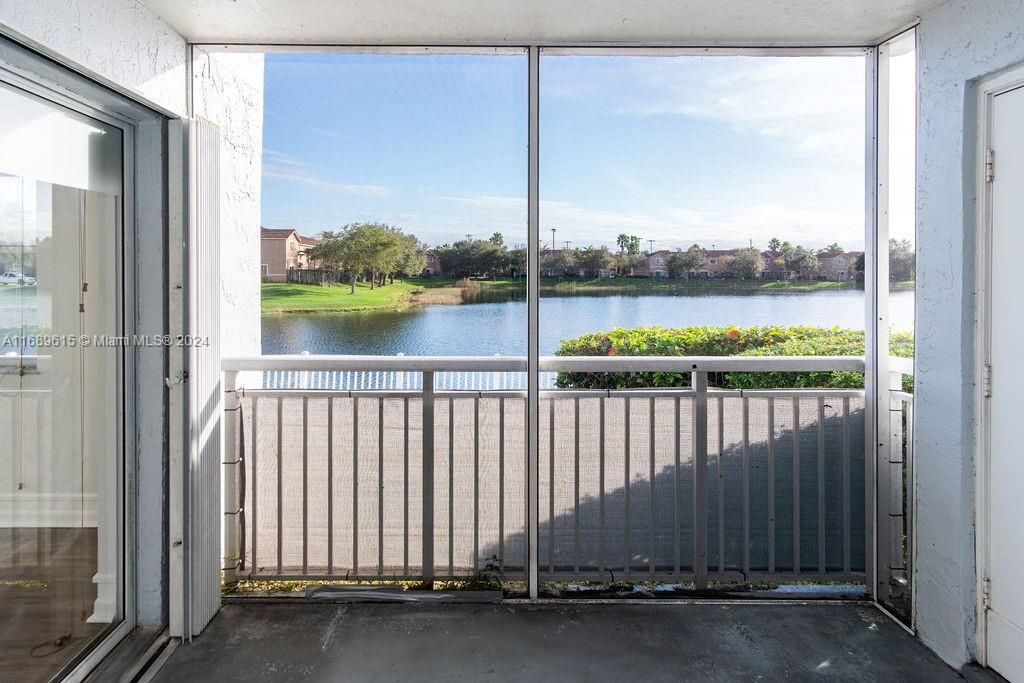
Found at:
(60, 457)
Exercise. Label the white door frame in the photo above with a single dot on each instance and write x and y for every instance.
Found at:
(988, 89)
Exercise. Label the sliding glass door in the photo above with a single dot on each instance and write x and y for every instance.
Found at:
(61, 466)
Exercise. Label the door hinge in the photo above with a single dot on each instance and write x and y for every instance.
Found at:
(986, 380)
(990, 166)
(986, 593)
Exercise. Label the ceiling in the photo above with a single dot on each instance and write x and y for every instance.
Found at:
(519, 22)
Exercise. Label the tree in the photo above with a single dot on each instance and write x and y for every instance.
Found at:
(774, 244)
(745, 264)
(832, 250)
(902, 260)
(682, 263)
(352, 250)
(627, 262)
(628, 244)
(376, 250)
(799, 260)
(387, 255)
(595, 260)
(413, 257)
(519, 259)
(470, 257)
(561, 263)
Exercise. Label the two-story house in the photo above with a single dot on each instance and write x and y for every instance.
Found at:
(281, 250)
(839, 267)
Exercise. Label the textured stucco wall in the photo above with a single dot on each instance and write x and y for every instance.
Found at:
(118, 42)
(960, 42)
(228, 90)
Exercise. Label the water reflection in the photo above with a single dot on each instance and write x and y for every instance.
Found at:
(499, 326)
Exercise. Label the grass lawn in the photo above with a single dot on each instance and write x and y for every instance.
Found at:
(286, 297)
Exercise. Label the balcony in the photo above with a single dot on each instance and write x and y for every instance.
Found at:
(400, 468)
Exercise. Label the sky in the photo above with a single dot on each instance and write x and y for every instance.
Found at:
(721, 151)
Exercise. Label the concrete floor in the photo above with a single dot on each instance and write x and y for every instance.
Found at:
(553, 642)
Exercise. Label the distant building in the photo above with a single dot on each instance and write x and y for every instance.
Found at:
(839, 267)
(281, 250)
(654, 264)
(775, 267)
(433, 264)
(718, 262)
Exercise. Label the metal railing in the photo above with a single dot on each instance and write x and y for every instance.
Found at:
(692, 484)
(896, 495)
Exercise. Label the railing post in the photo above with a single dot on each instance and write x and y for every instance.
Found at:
(889, 486)
(699, 382)
(428, 479)
(911, 500)
(229, 470)
(897, 560)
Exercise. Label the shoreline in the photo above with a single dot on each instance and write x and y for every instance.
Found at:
(401, 295)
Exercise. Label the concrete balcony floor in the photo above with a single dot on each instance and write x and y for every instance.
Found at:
(553, 642)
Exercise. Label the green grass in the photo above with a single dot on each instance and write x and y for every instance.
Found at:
(286, 297)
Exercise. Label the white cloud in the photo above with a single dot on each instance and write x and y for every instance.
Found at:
(816, 103)
(332, 134)
(280, 166)
(325, 185)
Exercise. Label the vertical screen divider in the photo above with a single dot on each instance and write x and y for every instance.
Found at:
(533, 317)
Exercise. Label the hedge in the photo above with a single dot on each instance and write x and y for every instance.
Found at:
(804, 340)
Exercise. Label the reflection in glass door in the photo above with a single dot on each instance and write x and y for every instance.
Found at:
(61, 194)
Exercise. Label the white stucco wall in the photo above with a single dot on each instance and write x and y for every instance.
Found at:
(228, 90)
(117, 42)
(960, 42)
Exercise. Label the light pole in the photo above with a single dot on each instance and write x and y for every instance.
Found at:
(651, 243)
(553, 238)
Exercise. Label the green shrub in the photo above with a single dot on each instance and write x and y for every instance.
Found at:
(723, 341)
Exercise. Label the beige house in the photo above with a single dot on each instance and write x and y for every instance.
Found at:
(654, 264)
(839, 267)
(281, 250)
(434, 267)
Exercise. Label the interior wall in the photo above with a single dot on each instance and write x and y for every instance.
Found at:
(228, 90)
(960, 42)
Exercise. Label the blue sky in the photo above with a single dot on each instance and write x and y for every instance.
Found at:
(716, 150)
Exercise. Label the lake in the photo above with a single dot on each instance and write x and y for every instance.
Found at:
(499, 326)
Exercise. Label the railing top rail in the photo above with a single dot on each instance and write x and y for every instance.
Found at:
(901, 365)
(547, 363)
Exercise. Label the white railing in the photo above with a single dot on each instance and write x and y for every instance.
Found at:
(896, 495)
(691, 483)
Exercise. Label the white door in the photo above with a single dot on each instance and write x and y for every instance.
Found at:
(1005, 615)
